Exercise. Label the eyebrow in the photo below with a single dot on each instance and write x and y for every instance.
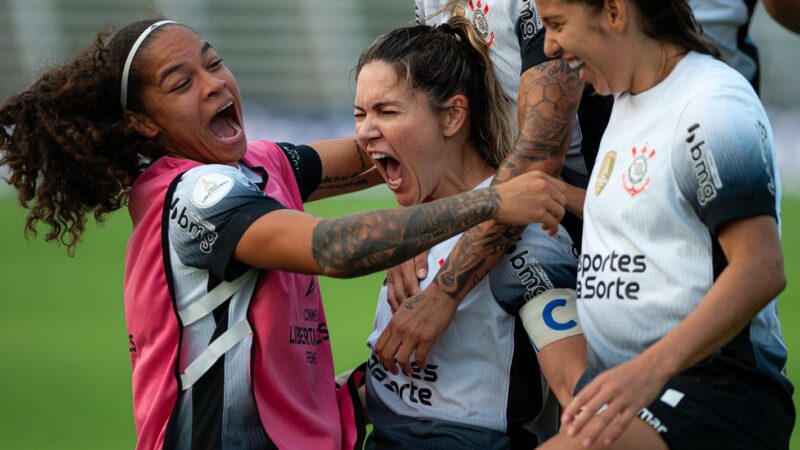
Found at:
(550, 18)
(172, 69)
(381, 104)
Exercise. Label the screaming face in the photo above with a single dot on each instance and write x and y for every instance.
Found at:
(190, 99)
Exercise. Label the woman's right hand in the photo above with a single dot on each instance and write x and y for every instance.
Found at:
(532, 197)
(402, 280)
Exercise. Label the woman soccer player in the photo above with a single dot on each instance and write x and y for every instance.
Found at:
(430, 113)
(681, 257)
(231, 343)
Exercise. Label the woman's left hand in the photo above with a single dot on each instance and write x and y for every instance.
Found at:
(608, 404)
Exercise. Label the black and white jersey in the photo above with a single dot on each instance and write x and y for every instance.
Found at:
(677, 161)
(482, 379)
(209, 207)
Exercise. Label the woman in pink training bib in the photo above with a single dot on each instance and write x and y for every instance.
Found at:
(229, 343)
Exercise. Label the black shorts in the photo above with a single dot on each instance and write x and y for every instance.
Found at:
(722, 403)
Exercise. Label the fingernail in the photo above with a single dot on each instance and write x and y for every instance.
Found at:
(571, 431)
(422, 273)
(587, 443)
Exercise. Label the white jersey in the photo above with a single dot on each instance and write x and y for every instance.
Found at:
(677, 161)
(482, 377)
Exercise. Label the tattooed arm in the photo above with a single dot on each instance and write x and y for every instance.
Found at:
(545, 131)
(361, 243)
(549, 94)
(345, 168)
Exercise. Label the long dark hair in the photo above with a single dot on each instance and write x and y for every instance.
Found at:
(667, 21)
(65, 144)
(444, 61)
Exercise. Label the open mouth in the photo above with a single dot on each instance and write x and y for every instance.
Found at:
(225, 124)
(390, 168)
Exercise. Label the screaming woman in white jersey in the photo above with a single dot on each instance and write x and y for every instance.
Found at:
(681, 259)
(431, 115)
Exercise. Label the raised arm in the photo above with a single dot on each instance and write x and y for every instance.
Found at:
(345, 168)
(357, 244)
(548, 100)
(549, 94)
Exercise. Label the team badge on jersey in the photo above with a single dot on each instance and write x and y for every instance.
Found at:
(605, 172)
(210, 189)
(635, 179)
(479, 12)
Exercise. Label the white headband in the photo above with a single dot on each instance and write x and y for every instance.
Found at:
(123, 95)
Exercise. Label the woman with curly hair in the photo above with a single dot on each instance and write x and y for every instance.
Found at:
(231, 342)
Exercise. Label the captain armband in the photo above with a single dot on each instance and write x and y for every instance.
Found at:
(550, 317)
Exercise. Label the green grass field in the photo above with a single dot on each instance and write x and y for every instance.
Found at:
(65, 374)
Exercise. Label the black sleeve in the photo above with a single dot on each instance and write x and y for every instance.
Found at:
(210, 209)
(224, 265)
(307, 167)
(532, 51)
(530, 34)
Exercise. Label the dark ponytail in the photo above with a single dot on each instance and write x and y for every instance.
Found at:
(668, 21)
(65, 145)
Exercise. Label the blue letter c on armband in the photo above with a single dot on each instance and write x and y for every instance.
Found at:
(550, 321)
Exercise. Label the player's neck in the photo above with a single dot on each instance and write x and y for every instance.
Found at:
(655, 62)
(463, 173)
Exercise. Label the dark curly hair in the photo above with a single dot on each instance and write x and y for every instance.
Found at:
(65, 144)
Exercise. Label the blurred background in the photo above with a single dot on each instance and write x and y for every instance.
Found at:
(64, 373)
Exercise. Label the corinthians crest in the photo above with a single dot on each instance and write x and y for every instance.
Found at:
(635, 179)
(479, 12)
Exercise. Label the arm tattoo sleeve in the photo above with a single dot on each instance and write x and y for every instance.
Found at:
(549, 99)
(474, 255)
(362, 243)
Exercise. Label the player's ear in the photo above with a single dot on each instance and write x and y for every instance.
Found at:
(141, 123)
(455, 115)
(615, 13)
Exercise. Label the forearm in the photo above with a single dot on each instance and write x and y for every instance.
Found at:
(345, 168)
(478, 250)
(549, 95)
(362, 243)
(562, 364)
(727, 308)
